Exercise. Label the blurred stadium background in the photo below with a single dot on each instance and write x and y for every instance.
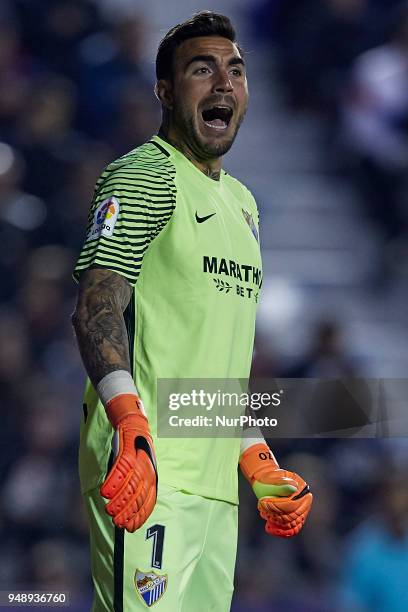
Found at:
(325, 151)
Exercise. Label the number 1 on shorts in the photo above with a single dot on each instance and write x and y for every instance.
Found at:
(157, 533)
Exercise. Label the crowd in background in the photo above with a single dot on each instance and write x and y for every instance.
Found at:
(75, 92)
(346, 62)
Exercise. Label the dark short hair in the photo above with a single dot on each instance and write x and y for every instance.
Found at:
(205, 23)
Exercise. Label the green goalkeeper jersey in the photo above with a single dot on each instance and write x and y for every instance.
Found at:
(189, 246)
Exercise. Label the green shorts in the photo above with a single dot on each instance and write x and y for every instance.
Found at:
(181, 560)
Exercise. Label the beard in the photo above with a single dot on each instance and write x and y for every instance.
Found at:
(204, 147)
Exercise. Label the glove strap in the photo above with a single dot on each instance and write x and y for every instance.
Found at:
(256, 458)
(121, 406)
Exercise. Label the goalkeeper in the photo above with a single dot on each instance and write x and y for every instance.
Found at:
(169, 278)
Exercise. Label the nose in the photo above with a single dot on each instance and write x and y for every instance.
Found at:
(222, 82)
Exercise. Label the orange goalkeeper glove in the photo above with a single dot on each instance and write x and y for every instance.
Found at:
(131, 485)
(284, 498)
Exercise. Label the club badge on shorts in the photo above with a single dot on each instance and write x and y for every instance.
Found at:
(150, 586)
(249, 219)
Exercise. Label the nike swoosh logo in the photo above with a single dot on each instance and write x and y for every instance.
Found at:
(202, 219)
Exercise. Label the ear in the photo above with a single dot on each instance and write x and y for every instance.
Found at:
(164, 93)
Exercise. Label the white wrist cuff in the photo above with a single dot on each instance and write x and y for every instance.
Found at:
(251, 436)
(116, 383)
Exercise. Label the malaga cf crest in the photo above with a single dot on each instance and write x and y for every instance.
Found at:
(249, 219)
(150, 586)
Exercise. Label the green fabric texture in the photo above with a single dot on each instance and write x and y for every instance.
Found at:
(198, 563)
(190, 247)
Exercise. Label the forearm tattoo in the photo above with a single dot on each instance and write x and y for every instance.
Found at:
(99, 324)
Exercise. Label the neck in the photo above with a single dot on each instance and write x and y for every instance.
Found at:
(210, 167)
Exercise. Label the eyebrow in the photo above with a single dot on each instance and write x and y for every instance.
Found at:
(212, 59)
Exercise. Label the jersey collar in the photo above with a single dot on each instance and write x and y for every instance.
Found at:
(181, 157)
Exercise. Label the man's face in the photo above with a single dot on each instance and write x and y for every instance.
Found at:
(210, 94)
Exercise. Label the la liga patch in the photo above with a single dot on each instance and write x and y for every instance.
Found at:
(104, 220)
(150, 586)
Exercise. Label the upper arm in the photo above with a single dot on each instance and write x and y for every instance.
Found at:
(101, 288)
(130, 207)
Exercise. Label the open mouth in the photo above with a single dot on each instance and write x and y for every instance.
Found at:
(217, 117)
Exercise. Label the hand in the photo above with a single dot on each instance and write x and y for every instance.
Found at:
(284, 498)
(285, 516)
(131, 484)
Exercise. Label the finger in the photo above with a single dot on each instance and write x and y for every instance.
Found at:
(287, 526)
(282, 533)
(304, 506)
(285, 521)
(273, 529)
(127, 515)
(295, 525)
(137, 503)
(122, 471)
(129, 525)
(144, 468)
(141, 486)
(285, 518)
(137, 511)
(144, 513)
(268, 505)
(285, 506)
(117, 478)
(125, 495)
